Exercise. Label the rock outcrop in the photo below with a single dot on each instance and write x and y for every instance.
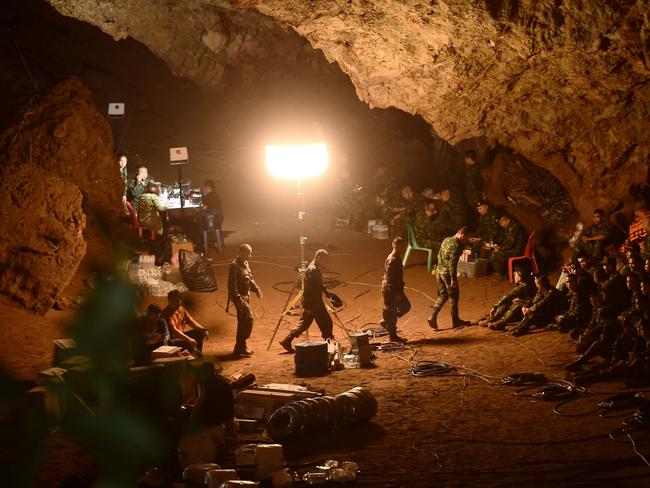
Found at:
(57, 166)
(563, 83)
(41, 239)
(65, 135)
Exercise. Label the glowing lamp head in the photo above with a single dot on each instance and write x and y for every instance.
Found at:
(296, 162)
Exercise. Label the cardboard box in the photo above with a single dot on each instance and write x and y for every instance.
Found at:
(474, 269)
(166, 352)
(259, 405)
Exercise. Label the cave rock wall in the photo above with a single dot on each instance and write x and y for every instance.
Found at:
(57, 167)
(563, 83)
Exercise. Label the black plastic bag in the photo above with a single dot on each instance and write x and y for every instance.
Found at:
(196, 272)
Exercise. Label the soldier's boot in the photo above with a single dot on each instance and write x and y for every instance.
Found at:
(458, 322)
(576, 365)
(497, 325)
(520, 330)
(433, 320)
(286, 342)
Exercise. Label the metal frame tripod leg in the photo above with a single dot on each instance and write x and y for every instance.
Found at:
(288, 306)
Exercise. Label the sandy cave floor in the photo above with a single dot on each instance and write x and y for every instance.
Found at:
(444, 431)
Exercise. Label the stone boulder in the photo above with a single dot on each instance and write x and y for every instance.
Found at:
(65, 135)
(41, 235)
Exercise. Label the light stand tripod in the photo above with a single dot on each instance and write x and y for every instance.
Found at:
(294, 300)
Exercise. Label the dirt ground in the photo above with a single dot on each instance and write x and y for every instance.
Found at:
(436, 431)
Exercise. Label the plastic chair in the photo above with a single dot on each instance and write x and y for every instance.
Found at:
(413, 246)
(211, 221)
(529, 253)
(135, 223)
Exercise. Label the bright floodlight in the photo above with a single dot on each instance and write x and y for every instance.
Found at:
(296, 162)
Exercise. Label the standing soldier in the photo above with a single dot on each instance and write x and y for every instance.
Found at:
(396, 304)
(312, 302)
(124, 173)
(447, 278)
(511, 245)
(473, 179)
(240, 283)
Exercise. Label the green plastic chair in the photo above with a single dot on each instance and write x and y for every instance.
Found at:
(413, 246)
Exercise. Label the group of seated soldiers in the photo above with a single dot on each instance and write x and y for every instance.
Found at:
(432, 216)
(602, 300)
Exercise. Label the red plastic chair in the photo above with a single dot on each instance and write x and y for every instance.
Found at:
(529, 253)
(135, 223)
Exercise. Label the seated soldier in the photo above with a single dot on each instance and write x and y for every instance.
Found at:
(594, 239)
(452, 213)
(404, 209)
(487, 232)
(346, 200)
(508, 308)
(578, 315)
(614, 288)
(547, 303)
(512, 244)
(427, 229)
(599, 337)
(137, 187)
(179, 319)
(621, 361)
(152, 332)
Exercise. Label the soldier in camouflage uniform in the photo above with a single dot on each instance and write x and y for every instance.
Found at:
(396, 304)
(427, 228)
(452, 214)
(404, 209)
(599, 336)
(508, 308)
(614, 288)
(447, 278)
(547, 303)
(511, 245)
(595, 238)
(577, 317)
(488, 230)
(473, 179)
(124, 173)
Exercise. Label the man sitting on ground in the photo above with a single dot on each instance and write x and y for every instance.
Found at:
(152, 332)
(508, 308)
(179, 319)
(578, 315)
(547, 303)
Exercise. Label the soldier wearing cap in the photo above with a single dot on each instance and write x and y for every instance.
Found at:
(447, 278)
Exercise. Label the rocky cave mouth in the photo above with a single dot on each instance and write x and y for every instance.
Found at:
(553, 96)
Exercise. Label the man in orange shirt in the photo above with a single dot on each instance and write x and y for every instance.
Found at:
(178, 319)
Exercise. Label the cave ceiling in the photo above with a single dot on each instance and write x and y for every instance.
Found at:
(564, 83)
